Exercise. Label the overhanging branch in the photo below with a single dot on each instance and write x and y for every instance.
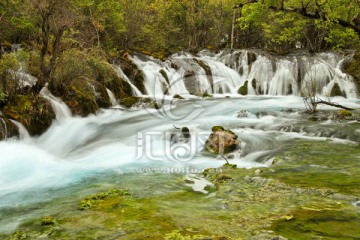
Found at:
(313, 15)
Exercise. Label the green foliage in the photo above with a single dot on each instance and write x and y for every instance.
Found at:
(342, 38)
(10, 79)
(283, 28)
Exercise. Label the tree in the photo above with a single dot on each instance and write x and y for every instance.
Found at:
(53, 17)
(338, 19)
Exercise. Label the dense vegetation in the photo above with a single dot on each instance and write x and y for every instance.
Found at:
(68, 43)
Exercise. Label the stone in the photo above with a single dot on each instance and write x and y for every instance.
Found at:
(222, 141)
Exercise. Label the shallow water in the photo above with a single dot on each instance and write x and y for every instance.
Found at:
(79, 155)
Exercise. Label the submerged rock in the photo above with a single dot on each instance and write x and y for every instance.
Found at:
(222, 141)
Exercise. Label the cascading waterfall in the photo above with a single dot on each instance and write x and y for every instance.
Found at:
(112, 98)
(75, 149)
(121, 74)
(23, 133)
(5, 131)
(61, 110)
(225, 73)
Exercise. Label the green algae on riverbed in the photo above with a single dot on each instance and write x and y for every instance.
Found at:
(306, 194)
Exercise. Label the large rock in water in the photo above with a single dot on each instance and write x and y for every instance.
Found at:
(222, 141)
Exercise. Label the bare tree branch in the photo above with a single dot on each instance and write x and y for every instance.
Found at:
(333, 104)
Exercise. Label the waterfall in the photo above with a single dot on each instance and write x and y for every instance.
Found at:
(23, 133)
(121, 74)
(111, 97)
(5, 130)
(61, 110)
(226, 73)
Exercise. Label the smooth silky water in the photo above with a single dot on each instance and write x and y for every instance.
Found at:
(307, 166)
(76, 157)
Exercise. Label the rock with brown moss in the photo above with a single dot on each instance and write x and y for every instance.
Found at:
(222, 141)
(32, 111)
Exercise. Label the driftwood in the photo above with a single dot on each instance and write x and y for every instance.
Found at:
(333, 104)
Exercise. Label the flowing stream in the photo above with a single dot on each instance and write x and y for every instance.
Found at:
(139, 141)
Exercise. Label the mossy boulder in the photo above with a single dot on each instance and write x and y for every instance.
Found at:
(130, 101)
(104, 74)
(32, 111)
(243, 90)
(7, 128)
(139, 81)
(352, 67)
(222, 141)
(82, 97)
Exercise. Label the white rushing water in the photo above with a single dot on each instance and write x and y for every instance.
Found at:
(113, 140)
(116, 140)
(121, 74)
(112, 98)
(225, 73)
(61, 110)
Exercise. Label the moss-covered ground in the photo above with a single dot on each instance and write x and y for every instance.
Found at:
(310, 192)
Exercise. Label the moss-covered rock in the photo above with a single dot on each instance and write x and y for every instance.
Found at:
(82, 97)
(352, 67)
(130, 101)
(48, 221)
(139, 81)
(243, 90)
(222, 141)
(32, 111)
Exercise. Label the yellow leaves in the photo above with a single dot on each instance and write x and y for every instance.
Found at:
(99, 27)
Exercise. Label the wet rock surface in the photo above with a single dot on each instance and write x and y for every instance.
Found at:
(222, 141)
